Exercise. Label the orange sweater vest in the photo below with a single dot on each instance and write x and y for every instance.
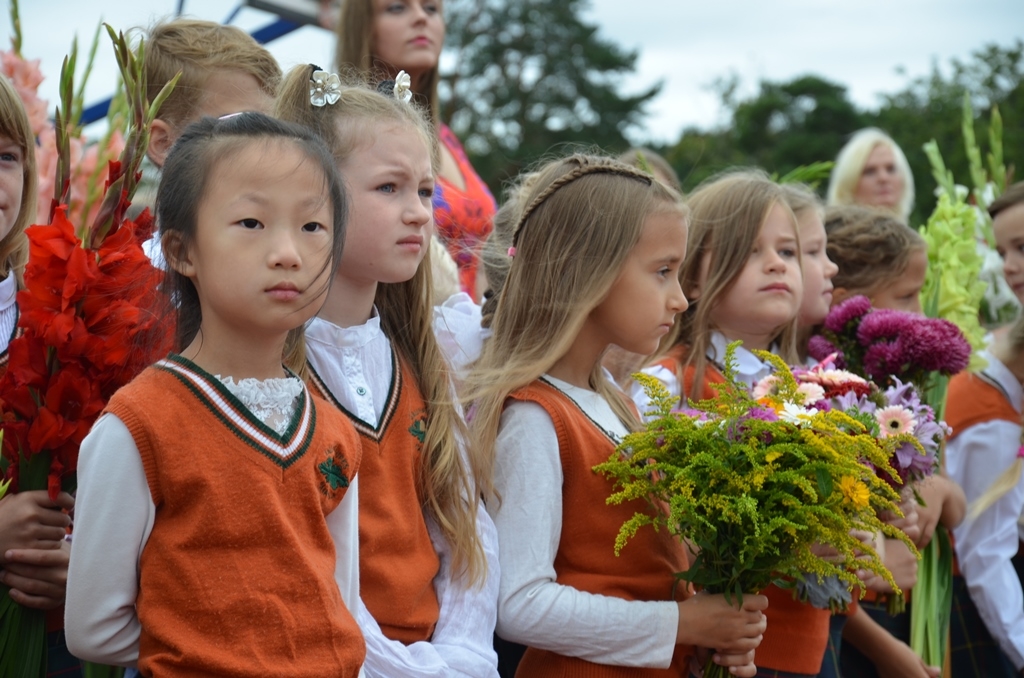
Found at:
(972, 400)
(586, 558)
(797, 633)
(237, 578)
(673, 361)
(397, 560)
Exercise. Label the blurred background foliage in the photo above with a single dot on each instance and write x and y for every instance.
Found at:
(529, 76)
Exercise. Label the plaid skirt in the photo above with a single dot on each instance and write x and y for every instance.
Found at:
(59, 662)
(852, 663)
(830, 664)
(972, 650)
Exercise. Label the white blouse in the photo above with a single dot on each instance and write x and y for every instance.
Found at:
(533, 608)
(458, 331)
(8, 309)
(749, 370)
(975, 458)
(355, 363)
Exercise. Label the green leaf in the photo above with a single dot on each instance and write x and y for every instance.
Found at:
(22, 639)
(824, 482)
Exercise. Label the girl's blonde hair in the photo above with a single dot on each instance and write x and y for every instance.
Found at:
(850, 164)
(197, 49)
(581, 218)
(647, 160)
(494, 255)
(14, 124)
(452, 492)
(801, 198)
(869, 245)
(354, 51)
(726, 216)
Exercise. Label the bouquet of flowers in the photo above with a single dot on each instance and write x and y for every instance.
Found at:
(882, 345)
(889, 415)
(903, 426)
(88, 323)
(894, 348)
(753, 484)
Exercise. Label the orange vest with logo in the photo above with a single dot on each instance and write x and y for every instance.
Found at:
(237, 577)
(586, 558)
(397, 560)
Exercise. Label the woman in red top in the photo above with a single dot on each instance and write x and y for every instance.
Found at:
(407, 35)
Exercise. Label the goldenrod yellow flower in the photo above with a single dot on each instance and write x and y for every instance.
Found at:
(855, 491)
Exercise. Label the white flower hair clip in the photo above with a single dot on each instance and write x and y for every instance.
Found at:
(403, 87)
(324, 88)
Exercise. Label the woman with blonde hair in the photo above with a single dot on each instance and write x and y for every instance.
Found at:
(871, 170)
(381, 38)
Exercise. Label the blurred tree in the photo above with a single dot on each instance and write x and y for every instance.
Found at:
(809, 119)
(930, 108)
(786, 125)
(794, 123)
(529, 75)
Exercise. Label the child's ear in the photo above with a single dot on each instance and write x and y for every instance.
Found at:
(176, 254)
(839, 294)
(161, 138)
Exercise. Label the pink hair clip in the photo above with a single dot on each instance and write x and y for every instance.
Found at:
(512, 253)
(1020, 452)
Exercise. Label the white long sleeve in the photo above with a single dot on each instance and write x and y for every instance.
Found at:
(984, 547)
(533, 608)
(355, 364)
(114, 515)
(462, 644)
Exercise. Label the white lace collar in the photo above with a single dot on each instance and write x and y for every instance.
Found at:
(271, 400)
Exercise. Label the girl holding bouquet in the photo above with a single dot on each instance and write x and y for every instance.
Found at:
(880, 257)
(744, 276)
(33, 553)
(542, 406)
(210, 501)
(819, 273)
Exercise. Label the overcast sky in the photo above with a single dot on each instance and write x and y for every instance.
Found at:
(687, 44)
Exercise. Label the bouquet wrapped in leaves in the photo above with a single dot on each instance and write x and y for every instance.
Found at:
(754, 484)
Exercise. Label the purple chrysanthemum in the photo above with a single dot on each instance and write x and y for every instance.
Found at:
(846, 312)
(886, 324)
(883, 359)
(820, 348)
(940, 346)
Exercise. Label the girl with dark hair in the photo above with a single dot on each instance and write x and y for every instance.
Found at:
(210, 513)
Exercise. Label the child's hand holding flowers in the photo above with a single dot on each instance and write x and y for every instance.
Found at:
(755, 484)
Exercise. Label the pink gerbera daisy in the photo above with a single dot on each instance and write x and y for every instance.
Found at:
(894, 420)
